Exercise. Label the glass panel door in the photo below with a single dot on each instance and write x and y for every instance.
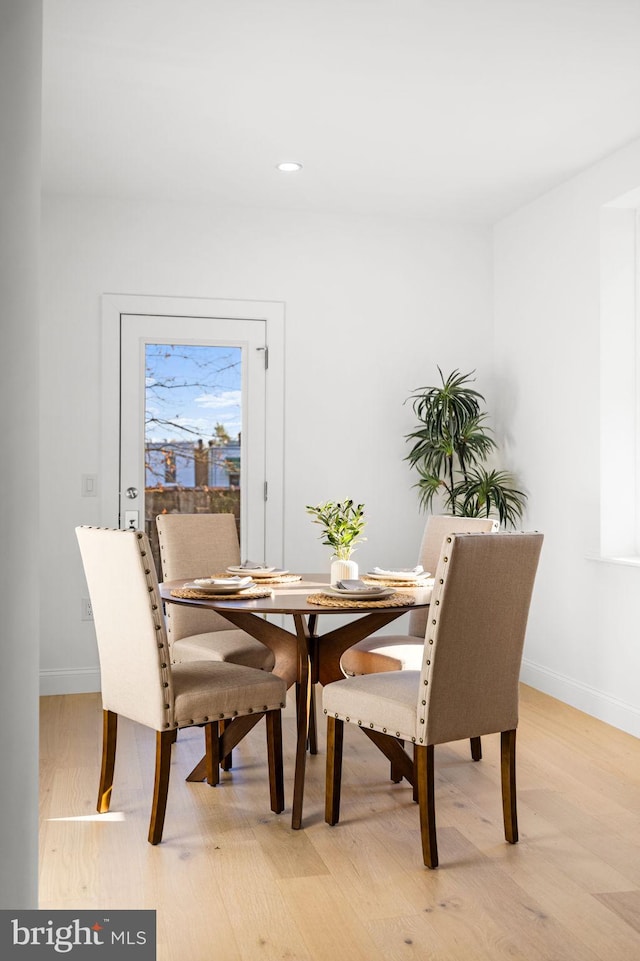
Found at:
(193, 425)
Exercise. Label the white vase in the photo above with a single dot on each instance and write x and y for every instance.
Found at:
(343, 570)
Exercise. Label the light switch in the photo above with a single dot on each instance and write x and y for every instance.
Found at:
(89, 485)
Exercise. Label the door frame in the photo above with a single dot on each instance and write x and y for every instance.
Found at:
(113, 306)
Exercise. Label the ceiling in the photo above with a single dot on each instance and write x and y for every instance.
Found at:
(456, 109)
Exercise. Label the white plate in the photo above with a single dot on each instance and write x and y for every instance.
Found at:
(374, 594)
(257, 573)
(397, 576)
(223, 580)
(218, 587)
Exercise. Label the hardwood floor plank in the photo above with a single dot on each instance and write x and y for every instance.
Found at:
(364, 871)
(626, 905)
(328, 926)
(565, 897)
(520, 917)
(291, 854)
(617, 857)
(414, 936)
(262, 919)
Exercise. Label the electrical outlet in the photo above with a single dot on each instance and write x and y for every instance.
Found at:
(86, 610)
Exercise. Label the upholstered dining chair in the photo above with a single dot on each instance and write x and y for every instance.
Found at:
(468, 683)
(396, 652)
(200, 545)
(138, 680)
(401, 652)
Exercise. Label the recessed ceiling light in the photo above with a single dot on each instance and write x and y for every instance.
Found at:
(289, 166)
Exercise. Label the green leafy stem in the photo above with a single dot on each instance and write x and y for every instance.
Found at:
(342, 523)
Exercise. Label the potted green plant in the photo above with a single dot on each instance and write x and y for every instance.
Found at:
(449, 450)
(342, 524)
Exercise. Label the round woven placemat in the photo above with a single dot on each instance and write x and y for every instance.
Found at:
(394, 600)
(248, 594)
(279, 579)
(389, 582)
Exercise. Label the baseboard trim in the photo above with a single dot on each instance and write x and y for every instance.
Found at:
(585, 698)
(70, 681)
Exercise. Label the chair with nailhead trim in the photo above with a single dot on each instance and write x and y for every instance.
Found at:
(201, 545)
(468, 683)
(138, 680)
(398, 652)
(403, 652)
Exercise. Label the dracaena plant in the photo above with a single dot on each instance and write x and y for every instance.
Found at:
(449, 449)
(342, 524)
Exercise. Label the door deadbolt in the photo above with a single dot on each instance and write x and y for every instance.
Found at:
(132, 493)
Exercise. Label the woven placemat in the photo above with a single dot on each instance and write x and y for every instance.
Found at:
(394, 600)
(389, 582)
(279, 579)
(247, 595)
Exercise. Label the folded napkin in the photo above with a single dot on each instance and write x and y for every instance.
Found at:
(224, 581)
(253, 566)
(356, 585)
(415, 571)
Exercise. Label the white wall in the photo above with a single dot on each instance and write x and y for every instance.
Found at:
(582, 643)
(372, 306)
(20, 83)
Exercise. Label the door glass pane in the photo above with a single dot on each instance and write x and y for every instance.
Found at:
(192, 427)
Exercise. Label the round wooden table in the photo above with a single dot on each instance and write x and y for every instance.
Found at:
(303, 656)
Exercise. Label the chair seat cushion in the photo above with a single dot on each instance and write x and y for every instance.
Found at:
(384, 652)
(234, 646)
(385, 702)
(211, 690)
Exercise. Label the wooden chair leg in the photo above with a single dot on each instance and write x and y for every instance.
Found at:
(394, 773)
(476, 749)
(426, 800)
(335, 735)
(313, 730)
(227, 762)
(212, 752)
(164, 740)
(274, 757)
(109, 738)
(508, 772)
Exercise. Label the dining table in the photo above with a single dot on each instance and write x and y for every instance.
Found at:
(304, 657)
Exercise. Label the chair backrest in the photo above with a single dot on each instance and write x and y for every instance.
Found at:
(127, 612)
(196, 545)
(475, 635)
(435, 531)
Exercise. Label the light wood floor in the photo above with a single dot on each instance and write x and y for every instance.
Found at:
(232, 882)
